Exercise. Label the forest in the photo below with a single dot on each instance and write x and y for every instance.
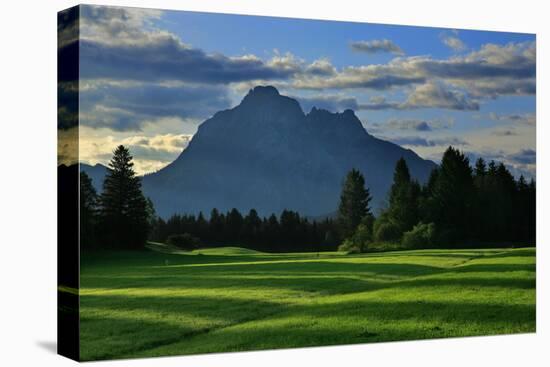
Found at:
(461, 205)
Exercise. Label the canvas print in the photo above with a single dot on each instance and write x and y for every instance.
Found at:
(233, 183)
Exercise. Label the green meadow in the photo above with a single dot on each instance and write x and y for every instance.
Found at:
(165, 302)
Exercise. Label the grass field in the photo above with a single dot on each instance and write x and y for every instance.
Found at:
(160, 302)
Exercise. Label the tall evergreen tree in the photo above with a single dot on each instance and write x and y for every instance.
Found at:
(215, 226)
(252, 226)
(354, 202)
(124, 210)
(452, 196)
(403, 198)
(234, 226)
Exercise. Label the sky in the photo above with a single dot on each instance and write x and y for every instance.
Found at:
(148, 78)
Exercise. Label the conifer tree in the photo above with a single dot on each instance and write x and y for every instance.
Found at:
(453, 195)
(124, 210)
(404, 196)
(354, 202)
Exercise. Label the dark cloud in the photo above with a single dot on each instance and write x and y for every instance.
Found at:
(123, 108)
(380, 103)
(524, 156)
(520, 118)
(330, 103)
(376, 46)
(124, 44)
(67, 105)
(412, 125)
(171, 61)
(423, 142)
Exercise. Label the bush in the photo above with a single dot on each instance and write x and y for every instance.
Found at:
(360, 240)
(184, 241)
(350, 247)
(422, 235)
(385, 230)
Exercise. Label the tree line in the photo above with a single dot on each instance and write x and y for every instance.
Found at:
(458, 206)
(287, 232)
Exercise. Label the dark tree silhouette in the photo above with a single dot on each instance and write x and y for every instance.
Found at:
(354, 202)
(124, 212)
(452, 195)
(234, 224)
(88, 212)
(403, 198)
(252, 227)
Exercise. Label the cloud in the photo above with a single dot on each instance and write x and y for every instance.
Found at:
(67, 27)
(526, 167)
(123, 108)
(321, 67)
(127, 45)
(451, 40)
(524, 156)
(124, 43)
(454, 43)
(171, 60)
(490, 72)
(67, 104)
(429, 95)
(415, 141)
(504, 133)
(376, 46)
(368, 77)
(415, 125)
(524, 118)
(328, 102)
(150, 152)
(121, 26)
(435, 94)
(380, 103)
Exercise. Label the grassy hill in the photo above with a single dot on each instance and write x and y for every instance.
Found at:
(167, 302)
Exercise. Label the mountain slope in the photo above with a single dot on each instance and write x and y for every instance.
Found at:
(268, 155)
(96, 173)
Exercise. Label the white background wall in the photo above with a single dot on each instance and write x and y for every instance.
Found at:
(28, 182)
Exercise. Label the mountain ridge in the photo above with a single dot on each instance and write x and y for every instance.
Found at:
(267, 154)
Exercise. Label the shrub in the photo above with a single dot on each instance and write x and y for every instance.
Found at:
(349, 247)
(422, 235)
(360, 240)
(386, 230)
(184, 241)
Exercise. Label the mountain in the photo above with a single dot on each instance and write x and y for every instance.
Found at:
(267, 154)
(96, 173)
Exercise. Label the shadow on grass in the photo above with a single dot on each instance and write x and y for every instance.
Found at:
(260, 325)
(241, 317)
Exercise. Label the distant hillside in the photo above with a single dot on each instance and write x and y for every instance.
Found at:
(97, 174)
(267, 154)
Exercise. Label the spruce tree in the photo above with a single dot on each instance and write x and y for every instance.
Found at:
(354, 202)
(252, 226)
(404, 197)
(124, 209)
(453, 195)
